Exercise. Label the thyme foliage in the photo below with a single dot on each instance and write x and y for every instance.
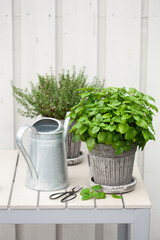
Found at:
(52, 97)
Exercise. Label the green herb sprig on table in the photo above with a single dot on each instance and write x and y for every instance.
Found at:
(88, 193)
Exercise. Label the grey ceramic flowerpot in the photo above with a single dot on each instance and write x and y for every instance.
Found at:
(74, 155)
(110, 169)
(73, 148)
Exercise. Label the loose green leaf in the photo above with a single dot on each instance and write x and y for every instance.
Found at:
(96, 187)
(95, 194)
(85, 191)
(116, 196)
(88, 193)
(102, 195)
(86, 197)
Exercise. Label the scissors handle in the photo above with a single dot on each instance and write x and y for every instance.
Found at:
(57, 195)
(69, 197)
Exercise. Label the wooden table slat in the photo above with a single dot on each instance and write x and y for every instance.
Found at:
(22, 197)
(46, 203)
(8, 160)
(139, 197)
(79, 176)
(109, 203)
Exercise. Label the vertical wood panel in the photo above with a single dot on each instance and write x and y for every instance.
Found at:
(6, 75)
(101, 39)
(79, 49)
(151, 161)
(36, 37)
(45, 36)
(7, 232)
(36, 232)
(76, 231)
(110, 232)
(123, 22)
(59, 36)
(143, 64)
(80, 35)
(37, 43)
(6, 99)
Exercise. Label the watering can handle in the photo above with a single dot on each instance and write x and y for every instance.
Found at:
(19, 140)
(66, 126)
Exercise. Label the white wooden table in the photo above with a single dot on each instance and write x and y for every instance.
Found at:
(20, 205)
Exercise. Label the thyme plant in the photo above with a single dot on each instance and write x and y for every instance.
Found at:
(52, 97)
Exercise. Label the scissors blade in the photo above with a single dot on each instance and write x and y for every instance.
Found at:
(77, 189)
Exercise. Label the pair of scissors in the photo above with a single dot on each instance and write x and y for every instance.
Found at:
(69, 195)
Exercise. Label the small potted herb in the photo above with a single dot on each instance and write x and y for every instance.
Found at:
(52, 97)
(113, 122)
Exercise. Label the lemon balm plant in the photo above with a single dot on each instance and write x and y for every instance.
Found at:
(114, 116)
(113, 122)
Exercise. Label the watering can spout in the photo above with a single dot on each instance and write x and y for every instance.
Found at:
(66, 125)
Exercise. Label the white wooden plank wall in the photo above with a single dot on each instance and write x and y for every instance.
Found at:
(118, 40)
(80, 35)
(6, 75)
(6, 99)
(151, 155)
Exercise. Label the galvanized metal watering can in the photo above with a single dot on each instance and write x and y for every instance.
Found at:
(47, 163)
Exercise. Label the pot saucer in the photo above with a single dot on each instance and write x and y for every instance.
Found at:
(77, 160)
(116, 189)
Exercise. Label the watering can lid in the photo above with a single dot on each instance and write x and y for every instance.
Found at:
(48, 126)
